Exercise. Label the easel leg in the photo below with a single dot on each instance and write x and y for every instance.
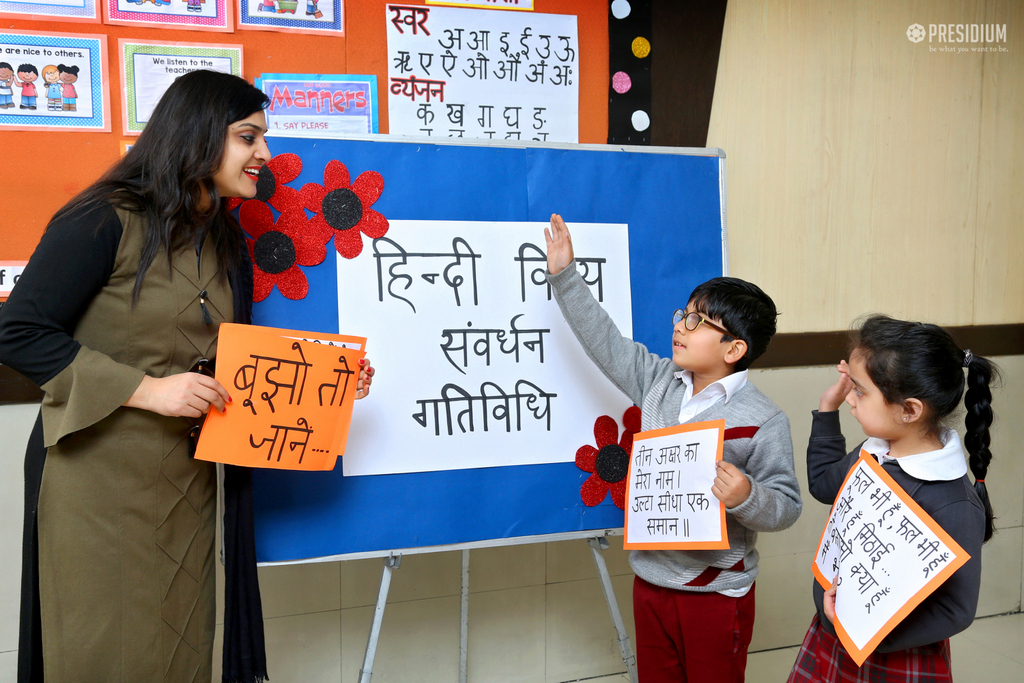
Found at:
(597, 545)
(464, 621)
(391, 563)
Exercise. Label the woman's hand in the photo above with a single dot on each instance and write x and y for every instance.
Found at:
(188, 394)
(559, 245)
(365, 378)
(836, 394)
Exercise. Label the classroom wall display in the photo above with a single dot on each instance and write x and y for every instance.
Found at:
(86, 11)
(302, 16)
(194, 15)
(885, 553)
(53, 81)
(526, 5)
(315, 105)
(10, 271)
(435, 253)
(149, 68)
(469, 73)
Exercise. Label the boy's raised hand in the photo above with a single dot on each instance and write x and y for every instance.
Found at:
(559, 245)
(836, 394)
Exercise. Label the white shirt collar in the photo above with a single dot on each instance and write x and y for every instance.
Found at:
(727, 386)
(946, 464)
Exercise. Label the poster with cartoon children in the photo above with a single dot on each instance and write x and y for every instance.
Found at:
(304, 16)
(53, 81)
(63, 10)
(194, 15)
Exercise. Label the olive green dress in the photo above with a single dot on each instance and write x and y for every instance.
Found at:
(126, 516)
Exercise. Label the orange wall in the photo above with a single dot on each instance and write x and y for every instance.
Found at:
(31, 192)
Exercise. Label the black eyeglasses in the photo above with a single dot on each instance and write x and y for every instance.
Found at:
(691, 321)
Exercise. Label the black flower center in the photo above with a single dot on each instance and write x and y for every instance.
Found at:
(274, 252)
(612, 463)
(342, 209)
(266, 184)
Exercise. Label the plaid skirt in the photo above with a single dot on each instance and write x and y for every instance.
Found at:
(823, 659)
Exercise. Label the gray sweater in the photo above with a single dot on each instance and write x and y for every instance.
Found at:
(654, 384)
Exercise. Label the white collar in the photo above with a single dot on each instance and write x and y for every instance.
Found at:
(946, 464)
(728, 385)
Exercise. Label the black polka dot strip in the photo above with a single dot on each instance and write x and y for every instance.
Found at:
(629, 66)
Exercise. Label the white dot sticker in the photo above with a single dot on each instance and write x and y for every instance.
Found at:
(641, 120)
(620, 9)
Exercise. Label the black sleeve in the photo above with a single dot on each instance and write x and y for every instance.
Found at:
(73, 261)
(951, 608)
(827, 460)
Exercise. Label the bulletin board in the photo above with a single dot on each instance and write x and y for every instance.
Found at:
(672, 201)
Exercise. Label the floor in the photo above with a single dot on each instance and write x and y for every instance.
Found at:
(990, 651)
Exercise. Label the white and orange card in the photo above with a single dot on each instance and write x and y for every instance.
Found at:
(885, 552)
(292, 397)
(669, 504)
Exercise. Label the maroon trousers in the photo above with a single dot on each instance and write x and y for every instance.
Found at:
(687, 637)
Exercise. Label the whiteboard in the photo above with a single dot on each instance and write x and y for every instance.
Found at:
(672, 201)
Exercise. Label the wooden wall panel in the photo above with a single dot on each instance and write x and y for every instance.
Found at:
(853, 162)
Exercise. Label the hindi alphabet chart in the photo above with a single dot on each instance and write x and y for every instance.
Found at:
(475, 346)
(470, 73)
(669, 504)
(887, 553)
(292, 392)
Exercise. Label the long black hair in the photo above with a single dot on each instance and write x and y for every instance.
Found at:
(167, 175)
(915, 360)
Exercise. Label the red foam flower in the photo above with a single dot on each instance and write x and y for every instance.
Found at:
(344, 208)
(278, 249)
(609, 462)
(270, 186)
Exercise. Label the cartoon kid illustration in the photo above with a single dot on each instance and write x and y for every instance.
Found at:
(195, 5)
(6, 78)
(51, 78)
(267, 6)
(26, 74)
(311, 10)
(68, 75)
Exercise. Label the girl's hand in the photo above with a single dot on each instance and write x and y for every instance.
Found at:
(559, 245)
(365, 378)
(829, 602)
(731, 486)
(188, 394)
(836, 394)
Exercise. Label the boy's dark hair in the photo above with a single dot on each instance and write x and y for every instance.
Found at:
(916, 360)
(5, 65)
(27, 69)
(743, 309)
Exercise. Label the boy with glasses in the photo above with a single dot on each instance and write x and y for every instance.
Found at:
(694, 611)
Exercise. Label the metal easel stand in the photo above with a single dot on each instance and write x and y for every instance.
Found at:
(391, 563)
(597, 545)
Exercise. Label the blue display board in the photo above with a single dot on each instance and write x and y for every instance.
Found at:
(672, 203)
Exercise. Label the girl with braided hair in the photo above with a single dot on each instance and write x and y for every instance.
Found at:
(903, 382)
